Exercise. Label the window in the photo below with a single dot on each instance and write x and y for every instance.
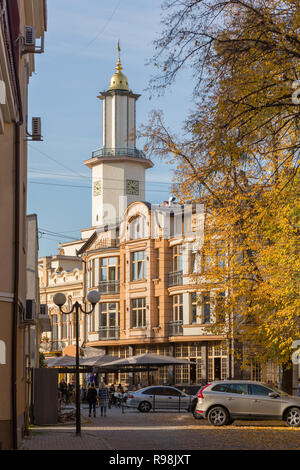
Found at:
(177, 258)
(172, 392)
(241, 389)
(259, 390)
(137, 228)
(220, 307)
(109, 269)
(138, 265)
(206, 309)
(220, 388)
(54, 327)
(109, 314)
(157, 262)
(154, 391)
(220, 254)
(177, 307)
(217, 361)
(194, 307)
(138, 310)
(64, 326)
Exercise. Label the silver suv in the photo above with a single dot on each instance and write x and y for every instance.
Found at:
(224, 401)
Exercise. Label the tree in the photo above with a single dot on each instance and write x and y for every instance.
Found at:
(239, 157)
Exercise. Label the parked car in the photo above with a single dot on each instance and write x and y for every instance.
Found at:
(222, 402)
(159, 398)
(193, 390)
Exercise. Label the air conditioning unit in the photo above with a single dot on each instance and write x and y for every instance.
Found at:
(36, 128)
(30, 311)
(29, 36)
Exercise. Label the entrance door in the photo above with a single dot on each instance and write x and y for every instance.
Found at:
(193, 371)
(217, 368)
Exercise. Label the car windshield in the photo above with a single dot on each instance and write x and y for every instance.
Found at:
(272, 387)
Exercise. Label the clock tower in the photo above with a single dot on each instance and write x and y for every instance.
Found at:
(118, 168)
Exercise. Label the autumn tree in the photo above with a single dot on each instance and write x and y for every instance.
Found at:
(239, 156)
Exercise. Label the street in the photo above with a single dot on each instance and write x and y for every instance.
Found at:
(162, 431)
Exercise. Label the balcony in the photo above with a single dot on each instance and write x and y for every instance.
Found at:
(109, 332)
(52, 346)
(175, 278)
(119, 152)
(175, 328)
(109, 287)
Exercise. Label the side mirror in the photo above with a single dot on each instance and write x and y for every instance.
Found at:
(274, 395)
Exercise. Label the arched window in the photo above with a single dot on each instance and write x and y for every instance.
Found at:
(137, 228)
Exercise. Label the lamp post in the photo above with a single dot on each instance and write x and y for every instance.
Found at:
(60, 299)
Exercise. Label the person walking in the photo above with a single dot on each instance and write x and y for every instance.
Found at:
(92, 399)
(103, 398)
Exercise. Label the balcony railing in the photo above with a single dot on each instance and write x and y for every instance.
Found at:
(109, 287)
(119, 152)
(109, 332)
(175, 328)
(52, 346)
(175, 278)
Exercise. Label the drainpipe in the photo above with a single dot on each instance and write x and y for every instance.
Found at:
(14, 341)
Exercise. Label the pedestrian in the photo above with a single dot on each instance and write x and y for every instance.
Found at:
(92, 399)
(103, 398)
(111, 395)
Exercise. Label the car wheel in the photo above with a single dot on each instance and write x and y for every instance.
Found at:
(293, 417)
(144, 407)
(218, 416)
(197, 415)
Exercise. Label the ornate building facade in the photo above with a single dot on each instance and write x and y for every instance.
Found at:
(144, 261)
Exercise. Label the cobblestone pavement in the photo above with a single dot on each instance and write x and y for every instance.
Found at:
(162, 431)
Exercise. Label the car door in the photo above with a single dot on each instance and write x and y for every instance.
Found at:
(262, 404)
(173, 396)
(238, 399)
(160, 398)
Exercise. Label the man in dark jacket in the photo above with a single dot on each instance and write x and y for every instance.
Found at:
(92, 399)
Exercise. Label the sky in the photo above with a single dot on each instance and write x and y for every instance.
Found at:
(80, 58)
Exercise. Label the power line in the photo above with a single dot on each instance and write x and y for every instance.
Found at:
(50, 172)
(105, 26)
(89, 187)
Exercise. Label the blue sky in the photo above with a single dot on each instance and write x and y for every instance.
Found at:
(80, 57)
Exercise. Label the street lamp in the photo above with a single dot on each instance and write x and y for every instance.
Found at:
(60, 299)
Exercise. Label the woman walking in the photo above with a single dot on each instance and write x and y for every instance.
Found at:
(103, 398)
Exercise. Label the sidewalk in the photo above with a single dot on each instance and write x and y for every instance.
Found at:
(63, 437)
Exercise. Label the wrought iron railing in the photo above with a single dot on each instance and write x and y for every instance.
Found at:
(109, 332)
(52, 346)
(119, 152)
(109, 287)
(175, 328)
(175, 278)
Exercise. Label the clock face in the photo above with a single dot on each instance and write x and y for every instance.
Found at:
(133, 187)
(97, 188)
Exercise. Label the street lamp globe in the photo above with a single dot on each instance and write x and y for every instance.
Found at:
(93, 297)
(59, 299)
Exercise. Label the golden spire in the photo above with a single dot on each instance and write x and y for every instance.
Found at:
(119, 81)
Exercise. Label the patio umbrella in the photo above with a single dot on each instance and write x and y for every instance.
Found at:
(97, 361)
(61, 361)
(145, 360)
